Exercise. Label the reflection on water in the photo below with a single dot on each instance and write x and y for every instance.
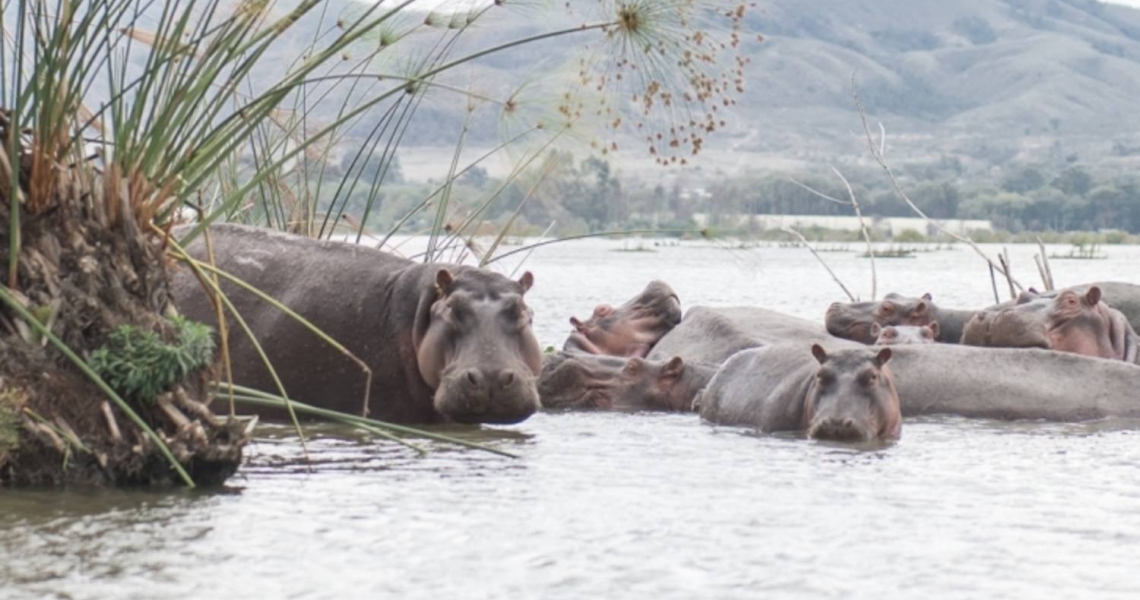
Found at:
(630, 506)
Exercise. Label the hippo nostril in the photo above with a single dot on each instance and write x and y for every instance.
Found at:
(506, 378)
(473, 377)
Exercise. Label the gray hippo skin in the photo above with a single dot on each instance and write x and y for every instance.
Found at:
(1003, 383)
(857, 320)
(844, 395)
(943, 379)
(445, 343)
(577, 381)
(712, 335)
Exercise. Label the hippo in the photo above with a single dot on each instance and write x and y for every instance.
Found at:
(445, 343)
(1012, 384)
(845, 395)
(712, 335)
(855, 321)
(1071, 320)
(895, 335)
(1124, 297)
(949, 379)
(572, 380)
(631, 329)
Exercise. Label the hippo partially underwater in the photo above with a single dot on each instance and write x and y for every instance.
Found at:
(445, 343)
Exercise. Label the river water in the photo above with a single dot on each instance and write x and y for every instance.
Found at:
(634, 506)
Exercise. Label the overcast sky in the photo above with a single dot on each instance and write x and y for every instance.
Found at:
(1134, 3)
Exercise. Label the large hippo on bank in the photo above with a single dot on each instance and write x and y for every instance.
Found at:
(573, 380)
(845, 395)
(1071, 320)
(445, 343)
(711, 335)
(856, 320)
(631, 329)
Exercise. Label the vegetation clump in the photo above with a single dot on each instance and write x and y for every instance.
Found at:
(140, 365)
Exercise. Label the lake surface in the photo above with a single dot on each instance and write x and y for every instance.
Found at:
(634, 506)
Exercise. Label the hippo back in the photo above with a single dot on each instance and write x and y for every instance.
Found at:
(763, 388)
(712, 335)
(1003, 383)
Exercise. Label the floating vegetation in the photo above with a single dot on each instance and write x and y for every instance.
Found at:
(1081, 252)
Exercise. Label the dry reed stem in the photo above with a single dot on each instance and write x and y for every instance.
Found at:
(879, 154)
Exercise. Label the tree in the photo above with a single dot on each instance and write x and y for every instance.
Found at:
(1074, 181)
(1023, 180)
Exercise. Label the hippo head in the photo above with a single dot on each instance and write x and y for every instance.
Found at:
(895, 335)
(585, 382)
(856, 320)
(475, 348)
(630, 329)
(1069, 321)
(655, 385)
(853, 397)
(580, 381)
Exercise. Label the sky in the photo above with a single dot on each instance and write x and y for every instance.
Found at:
(1132, 3)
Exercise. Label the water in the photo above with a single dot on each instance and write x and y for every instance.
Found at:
(633, 506)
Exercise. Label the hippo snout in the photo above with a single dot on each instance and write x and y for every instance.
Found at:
(501, 396)
(839, 429)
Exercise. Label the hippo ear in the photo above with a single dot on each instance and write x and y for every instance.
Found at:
(819, 353)
(883, 357)
(1093, 296)
(633, 366)
(576, 324)
(526, 281)
(444, 281)
(673, 368)
(928, 297)
(920, 308)
(935, 329)
(876, 330)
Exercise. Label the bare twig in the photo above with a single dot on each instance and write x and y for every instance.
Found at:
(1004, 259)
(858, 215)
(993, 281)
(1050, 284)
(879, 154)
(866, 232)
(792, 231)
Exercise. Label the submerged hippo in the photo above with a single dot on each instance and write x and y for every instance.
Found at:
(895, 335)
(1072, 320)
(846, 395)
(444, 342)
(1011, 384)
(631, 329)
(712, 335)
(572, 380)
(856, 320)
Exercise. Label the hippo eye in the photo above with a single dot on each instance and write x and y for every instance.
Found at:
(868, 378)
(887, 308)
(826, 377)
